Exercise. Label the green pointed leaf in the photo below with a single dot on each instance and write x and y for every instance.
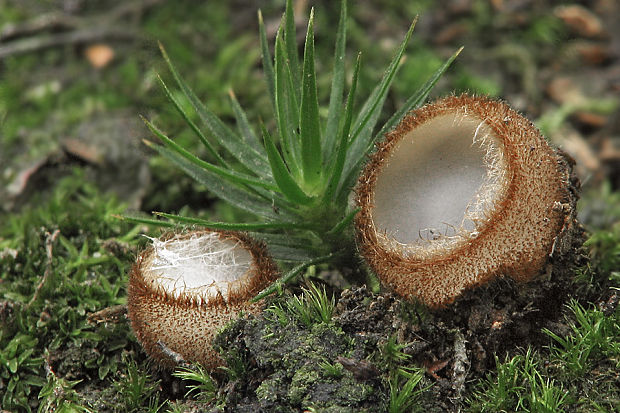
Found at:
(267, 62)
(192, 125)
(306, 241)
(286, 248)
(277, 201)
(287, 110)
(417, 99)
(344, 223)
(237, 195)
(139, 219)
(310, 129)
(229, 174)
(330, 138)
(362, 131)
(290, 39)
(361, 137)
(224, 136)
(414, 101)
(343, 142)
(286, 253)
(244, 125)
(295, 271)
(282, 176)
(257, 226)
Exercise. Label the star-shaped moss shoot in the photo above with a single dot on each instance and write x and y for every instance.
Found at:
(296, 178)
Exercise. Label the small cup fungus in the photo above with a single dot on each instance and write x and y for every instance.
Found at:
(462, 191)
(185, 287)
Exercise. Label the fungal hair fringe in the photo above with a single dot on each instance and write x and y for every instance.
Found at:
(202, 262)
(478, 210)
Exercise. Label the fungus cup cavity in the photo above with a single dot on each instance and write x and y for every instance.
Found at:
(462, 191)
(185, 287)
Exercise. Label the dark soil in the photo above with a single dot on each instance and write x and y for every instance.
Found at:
(281, 362)
(455, 346)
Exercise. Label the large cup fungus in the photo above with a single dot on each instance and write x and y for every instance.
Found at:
(462, 191)
(187, 286)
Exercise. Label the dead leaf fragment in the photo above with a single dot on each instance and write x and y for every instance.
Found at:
(610, 150)
(593, 53)
(588, 163)
(563, 89)
(361, 369)
(99, 55)
(18, 185)
(432, 367)
(593, 120)
(114, 314)
(580, 20)
(84, 150)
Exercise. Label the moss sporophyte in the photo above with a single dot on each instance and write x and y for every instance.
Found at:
(459, 192)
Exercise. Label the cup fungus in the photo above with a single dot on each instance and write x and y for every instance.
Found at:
(185, 287)
(462, 191)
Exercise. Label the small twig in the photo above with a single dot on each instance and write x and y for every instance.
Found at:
(114, 314)
(40, 23)
(280, 282)
(125, 8)
(49, 244)
(459, 371)
(83, 29)
(361, 369)
(75, 37)
(173, 355)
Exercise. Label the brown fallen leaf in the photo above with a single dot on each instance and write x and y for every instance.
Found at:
(361, 369)
(432, 367)
(564, 89)
(19, 183)
(580, 20)
(86, 151)
(593, 120)
(610, 150)
(593, 53)
(114, 314)
(99, 55)
(577, 147)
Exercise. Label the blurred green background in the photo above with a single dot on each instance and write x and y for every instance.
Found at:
(75, 75)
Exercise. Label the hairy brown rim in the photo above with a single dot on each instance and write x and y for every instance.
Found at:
(534, 208)
(187, 325)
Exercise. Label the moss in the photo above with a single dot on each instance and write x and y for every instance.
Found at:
(92, 256)
(279, 359)
(62, 90)
(288, 359)
(56, 267)
(269, 393)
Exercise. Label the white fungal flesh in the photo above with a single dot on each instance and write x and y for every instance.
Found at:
(439, 183)
(201, 265)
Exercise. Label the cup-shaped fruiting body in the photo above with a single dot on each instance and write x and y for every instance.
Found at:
(186, 287)
(462, 191)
